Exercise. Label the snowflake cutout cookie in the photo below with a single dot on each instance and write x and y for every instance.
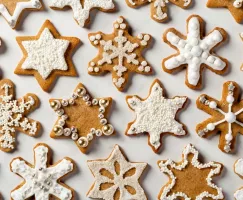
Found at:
(159, 9)
(119, 53)
(42, 180)
(238, 169)
(190, 179)
(156, 115)
(81, 117)
(13, 115)
(12, 10)
(82, 8)
(116, 178)
(47, 56)
(195, 51)
(226, 116)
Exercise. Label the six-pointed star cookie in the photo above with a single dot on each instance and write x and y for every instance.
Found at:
(119, 53)
(42, 180)
(226, 116)
(156, 115)
(11, 10)
(81, 117)
(47, 55)
(234, 6)
(116, 178)
(190, 179)
(238, 169)
(82, 8)
(13, 115)
(195, 51)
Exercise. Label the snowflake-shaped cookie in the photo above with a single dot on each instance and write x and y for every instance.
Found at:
(159, 8)
(156, 115)
(82, 8)
(238, 168)
(42, 180)
(226, 116)
(190, 179)
(195, 51)
(119, 53)
(116, 178)
(13, 115)
(47, 55)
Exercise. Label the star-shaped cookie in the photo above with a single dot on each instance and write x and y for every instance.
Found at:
(119, 53)
(47, 56)
(81, 117)
(11, 10)
(238, 169)
(116, 178)
(156, 115)
(189, 178)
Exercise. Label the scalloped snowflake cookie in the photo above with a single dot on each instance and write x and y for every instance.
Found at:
(195, 51)
(238, 169)
(119, 53)
(42, 180)
(156, 115)
(82, 8)
(189, 178)
(116, 178)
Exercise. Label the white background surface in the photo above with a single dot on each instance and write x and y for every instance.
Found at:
(136, 148)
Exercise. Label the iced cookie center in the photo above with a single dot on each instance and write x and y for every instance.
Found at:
(230, 117)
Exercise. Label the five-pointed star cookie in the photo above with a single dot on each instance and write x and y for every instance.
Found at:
(11, 10)
(119, 53)
(156, 115)
(234, 6)
(116, 178)
(226, 116)
(238, 169)
(82, 8)
(194, 51)
(13, 115)
(42, 180)
(190, 179)
(81, 117)
(47, 56)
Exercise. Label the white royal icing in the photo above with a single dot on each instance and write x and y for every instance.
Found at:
(118, 181)
(20, 6)
(41, 181)
(239, 170)
(156, 115)
(165, 167)
(81, 13)
(238, 3)
(195, 51)
(45, 54)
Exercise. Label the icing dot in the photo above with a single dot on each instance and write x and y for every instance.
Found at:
(144, 43)
(210, 126)
(90, 69)
(146, 37)
(209, 41)
(96, 69)
(181, 43)
(140, 36)
(141, 68)
(180, 58)
(175, 39)
(196, 51)
(119, 20)
(211, 59)
(230, 117)
(204, 46)
(228, 137)
(187, 55)
(194, 75)
(194, 26)
(92, 64)
(116, 25)
(123, 26)
(98, 36)
(194, 41)
(217, 37)
(194, 67)
(213, 104)
(188, 47)
(205, 55)
(144, 63)
(147, 69)
(230, 99)
(92, 38)
(218, 62)
(196, 60)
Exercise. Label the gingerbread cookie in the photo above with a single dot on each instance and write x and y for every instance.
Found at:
(116, 178)
(226, 116)
(189, 178)
(42, 180)
(13, 115)
(238, 169)
(156, 115)
(81, 117)
(159, 10)
(119, 53)
(47, 56)
(82, 8)
(12, 10)
(195, 51)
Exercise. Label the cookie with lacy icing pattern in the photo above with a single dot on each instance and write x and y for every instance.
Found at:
(238, 169)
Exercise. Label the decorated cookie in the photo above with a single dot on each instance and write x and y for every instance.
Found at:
(13, 115)
(82, 8)
(156, 115)
(189, 178)
(12, 10)
(119, 53)
(81, 118)
(42, 180)
(226, 116)
(234, 6)
(116, 178)
(47, 56)
(195, 51)
(159, 10)
(238, 168)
